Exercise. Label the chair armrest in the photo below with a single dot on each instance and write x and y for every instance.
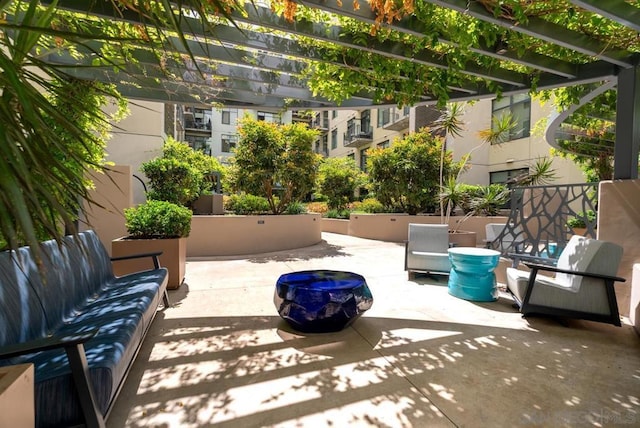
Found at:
(46, 344)
(154, 255)
(537, 260)
(544, 267)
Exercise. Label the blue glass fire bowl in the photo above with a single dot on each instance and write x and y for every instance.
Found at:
(321, 301)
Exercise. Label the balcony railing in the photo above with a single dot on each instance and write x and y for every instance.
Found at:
(399, 119)
(357, 135)
(320, 123)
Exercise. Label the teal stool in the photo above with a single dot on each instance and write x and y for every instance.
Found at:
(472, 274)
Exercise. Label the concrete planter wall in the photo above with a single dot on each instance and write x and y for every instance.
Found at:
(335, 225)
(174, 257)
(232, 235)
(394, 227)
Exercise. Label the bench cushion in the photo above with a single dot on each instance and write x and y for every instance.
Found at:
(75, 291)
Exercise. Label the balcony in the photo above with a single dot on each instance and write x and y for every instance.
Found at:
(399, 120)
(357, 136)
(320, 123)
(197, 126)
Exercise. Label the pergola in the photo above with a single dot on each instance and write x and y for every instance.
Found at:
(254, 57)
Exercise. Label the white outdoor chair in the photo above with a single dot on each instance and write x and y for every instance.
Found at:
(582, 287)
(426, 249)
(511, 242)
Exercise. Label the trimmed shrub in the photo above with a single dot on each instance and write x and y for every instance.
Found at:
(158, 219)
(371, 205)
(295, 208)
(339, 214)
(245, 203)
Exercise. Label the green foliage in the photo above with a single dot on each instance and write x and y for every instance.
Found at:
(338, 214)
(406, 175)
(489, 200)
(371, 205)
(338, 179)
(540, 173)
(582, 218)
(588, 134)
(274, 161)
(243, 204)
(53, 133)
(158, 219)
(295, 208)
(179, 175)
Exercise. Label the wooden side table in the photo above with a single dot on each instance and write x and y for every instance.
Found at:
(17, 402)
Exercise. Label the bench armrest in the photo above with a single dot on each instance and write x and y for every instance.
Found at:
(74, 348)
(544, 267)
(154, 255)
(45, 344)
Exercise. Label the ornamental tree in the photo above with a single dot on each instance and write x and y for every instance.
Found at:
(338, 179)
(406, 176)
(274, 161)
(179, 175)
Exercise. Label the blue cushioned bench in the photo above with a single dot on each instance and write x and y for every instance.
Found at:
(77, 323)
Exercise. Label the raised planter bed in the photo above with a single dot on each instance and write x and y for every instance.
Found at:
(394, 227)
(231, 235)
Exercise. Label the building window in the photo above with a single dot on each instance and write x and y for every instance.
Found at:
(228, 142)
(363, 159)
(197, 118)
(198, 142)
(365, 121)
(334, 114)
(507, 177)
(384, 144)
(269, 117)
(334, 139)
(519, 106)
(325, 145)
(384, 116)
(230, 116)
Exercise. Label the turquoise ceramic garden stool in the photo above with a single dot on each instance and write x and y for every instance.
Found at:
(472, 276)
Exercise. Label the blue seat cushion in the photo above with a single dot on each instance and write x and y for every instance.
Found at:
(122, 313)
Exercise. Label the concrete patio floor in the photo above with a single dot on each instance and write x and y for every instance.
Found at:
(221, 356)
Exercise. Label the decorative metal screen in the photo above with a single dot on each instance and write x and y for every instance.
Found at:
(538, 221)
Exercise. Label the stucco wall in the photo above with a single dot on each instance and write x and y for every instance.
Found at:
(395, 227)
(137, 139)
(112, 194)
(239, 235)
(619, 222)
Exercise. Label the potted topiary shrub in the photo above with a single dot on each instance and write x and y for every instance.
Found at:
(579, 223)
(155, 226)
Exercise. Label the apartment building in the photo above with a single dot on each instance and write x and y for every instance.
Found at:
(214, 131)
(353, 133)
(345, 133)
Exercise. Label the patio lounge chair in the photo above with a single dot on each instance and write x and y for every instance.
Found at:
(426, 249)
(582, 287)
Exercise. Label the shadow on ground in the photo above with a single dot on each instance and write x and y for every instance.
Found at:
(256, 371)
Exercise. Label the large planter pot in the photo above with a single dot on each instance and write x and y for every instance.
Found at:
(174, 256)
(462, 238)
